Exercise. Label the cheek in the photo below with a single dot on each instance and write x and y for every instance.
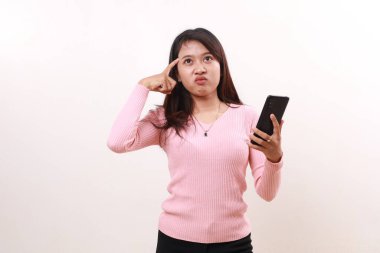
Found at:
(217, 72)
(183, 73)
(216, 68)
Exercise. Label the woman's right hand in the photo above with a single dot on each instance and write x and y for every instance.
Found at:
(161, 82)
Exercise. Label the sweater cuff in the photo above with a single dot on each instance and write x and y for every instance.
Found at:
(274, 166)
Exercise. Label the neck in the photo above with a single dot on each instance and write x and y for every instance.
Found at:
(206, 104)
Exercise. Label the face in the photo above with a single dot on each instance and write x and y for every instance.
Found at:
(195, 61)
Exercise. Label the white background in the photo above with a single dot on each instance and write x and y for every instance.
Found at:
(67, 68)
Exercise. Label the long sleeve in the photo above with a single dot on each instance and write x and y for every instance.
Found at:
(267, 175)
(128, 133)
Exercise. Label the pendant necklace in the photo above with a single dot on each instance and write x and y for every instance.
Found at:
(208, 129)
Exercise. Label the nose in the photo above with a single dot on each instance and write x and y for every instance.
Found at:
(199, 69)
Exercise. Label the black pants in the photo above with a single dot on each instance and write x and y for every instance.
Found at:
(167, 244)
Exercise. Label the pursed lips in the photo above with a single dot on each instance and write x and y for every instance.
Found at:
(200, 78)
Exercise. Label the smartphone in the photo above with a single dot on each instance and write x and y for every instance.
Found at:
(275, 105)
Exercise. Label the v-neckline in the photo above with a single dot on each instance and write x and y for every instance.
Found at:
(209, 124)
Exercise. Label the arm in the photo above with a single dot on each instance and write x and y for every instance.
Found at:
(128, 133)
(267, 175)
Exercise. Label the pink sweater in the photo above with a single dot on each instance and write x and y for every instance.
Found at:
(206, 202)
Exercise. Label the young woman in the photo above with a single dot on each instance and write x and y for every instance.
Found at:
(205, 131)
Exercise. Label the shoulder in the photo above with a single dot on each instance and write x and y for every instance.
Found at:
(250, 113)
(246, 109)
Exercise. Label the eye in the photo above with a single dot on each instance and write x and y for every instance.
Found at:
(209, 57)
(186, 61)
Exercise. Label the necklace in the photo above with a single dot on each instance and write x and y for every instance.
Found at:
(208, 129)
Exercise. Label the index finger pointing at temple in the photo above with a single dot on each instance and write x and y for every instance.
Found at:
(170, 66)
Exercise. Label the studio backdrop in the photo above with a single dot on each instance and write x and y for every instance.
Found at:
(68, 67)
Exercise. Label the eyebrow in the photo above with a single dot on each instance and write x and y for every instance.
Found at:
(192, 55)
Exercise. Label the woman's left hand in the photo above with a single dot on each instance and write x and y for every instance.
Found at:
(271, 145)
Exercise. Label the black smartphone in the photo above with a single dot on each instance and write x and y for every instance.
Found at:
(275, 105)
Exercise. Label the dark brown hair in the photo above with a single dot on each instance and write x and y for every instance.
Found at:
(179, 105)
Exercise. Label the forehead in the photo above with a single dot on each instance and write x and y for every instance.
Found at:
(192, 47)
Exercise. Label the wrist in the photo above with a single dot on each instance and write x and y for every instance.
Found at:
(144, 83)
(275, 159)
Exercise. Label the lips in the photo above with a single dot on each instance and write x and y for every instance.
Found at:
(200, 78)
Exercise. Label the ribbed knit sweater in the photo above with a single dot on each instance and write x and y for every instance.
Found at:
(207, 174)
